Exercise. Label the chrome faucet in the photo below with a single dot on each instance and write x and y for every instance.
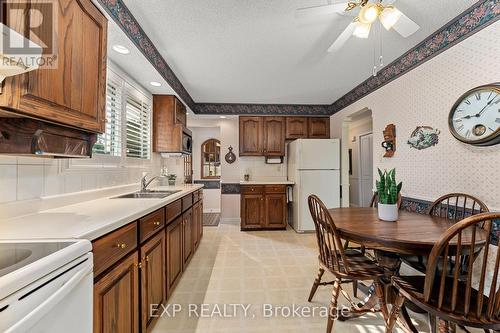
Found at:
(145, 183)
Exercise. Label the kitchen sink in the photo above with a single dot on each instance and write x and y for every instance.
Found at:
(146, 195)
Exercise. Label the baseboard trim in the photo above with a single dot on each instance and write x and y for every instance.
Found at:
(235, 220)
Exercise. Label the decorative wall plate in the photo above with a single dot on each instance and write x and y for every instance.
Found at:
(230, 156)
(424, 137)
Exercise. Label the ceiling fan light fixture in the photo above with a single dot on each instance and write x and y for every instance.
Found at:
(362, 30)
(389, 17)
(369, 13)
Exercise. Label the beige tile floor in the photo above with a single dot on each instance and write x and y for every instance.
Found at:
(255, 268)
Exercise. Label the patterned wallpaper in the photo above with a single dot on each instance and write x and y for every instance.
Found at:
(425, 96)
(482, 14)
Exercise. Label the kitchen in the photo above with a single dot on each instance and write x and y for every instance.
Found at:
(138, 195)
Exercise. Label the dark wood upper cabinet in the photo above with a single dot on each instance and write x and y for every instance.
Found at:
(169, 120)
(296, 128)
(153, 281)
(116, 298)
(319, 128)
(274, 136)
(251, 136)
(73, 92)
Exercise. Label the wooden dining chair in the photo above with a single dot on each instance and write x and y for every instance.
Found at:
(346, 266)
(454, 207)
(451, 297)
(361, 247)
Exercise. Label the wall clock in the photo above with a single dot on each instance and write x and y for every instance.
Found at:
(475, 117)
(230, 156)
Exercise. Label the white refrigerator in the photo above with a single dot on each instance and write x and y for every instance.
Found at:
(314, 166)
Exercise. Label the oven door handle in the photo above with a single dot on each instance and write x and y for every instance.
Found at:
(34, 316)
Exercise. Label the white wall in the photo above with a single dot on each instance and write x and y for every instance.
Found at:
(357, 127)
(424, 96)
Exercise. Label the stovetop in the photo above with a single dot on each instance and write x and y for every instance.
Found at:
(15, 255)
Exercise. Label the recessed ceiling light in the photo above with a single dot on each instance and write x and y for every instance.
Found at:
(222, 117)
(121, 49)
(155, 84)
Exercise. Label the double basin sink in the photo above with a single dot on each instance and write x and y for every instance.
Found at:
(146, 195)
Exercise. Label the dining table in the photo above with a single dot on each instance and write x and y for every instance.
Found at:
(412, 234)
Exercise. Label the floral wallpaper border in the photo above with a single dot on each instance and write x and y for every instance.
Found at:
(209, 184)
(479, 16)
(420, 206)
(230, 188)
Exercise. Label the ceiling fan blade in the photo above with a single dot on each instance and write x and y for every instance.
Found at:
(320, 10)
(405, 26)
(342, 38)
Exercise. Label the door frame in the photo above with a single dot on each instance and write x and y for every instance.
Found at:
(360, 185)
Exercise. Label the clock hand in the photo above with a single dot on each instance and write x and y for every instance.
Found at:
(485, 107)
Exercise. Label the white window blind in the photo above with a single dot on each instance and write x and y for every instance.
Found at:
(138, 124)
(110, 142)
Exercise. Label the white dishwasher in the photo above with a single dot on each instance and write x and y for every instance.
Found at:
(46, 286)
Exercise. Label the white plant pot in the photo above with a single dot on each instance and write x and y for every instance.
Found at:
(388, 212)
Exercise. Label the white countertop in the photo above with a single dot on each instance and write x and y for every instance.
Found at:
(89, 219)
(263, 182)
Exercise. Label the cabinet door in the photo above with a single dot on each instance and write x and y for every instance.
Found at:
(116, 298)
(196, 224)
(296, 128)
(319, 128)
(174, 254)
(200, 221)
(187, 235)
(275, 211)
(180, 112)
(252, 211)
(73, 92)
(251, 136)
(274, 136)
(153, 281)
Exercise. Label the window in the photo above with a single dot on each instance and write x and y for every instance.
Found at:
(210, 159)
(138, 124)
(110, 142)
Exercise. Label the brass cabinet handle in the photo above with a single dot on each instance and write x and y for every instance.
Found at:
(157, 223)
(147, 258)
(121, 245)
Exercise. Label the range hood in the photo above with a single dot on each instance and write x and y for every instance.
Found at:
(29, 137)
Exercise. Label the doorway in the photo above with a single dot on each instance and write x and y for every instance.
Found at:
(365, 169)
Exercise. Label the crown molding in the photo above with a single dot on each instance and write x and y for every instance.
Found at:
(477, 17)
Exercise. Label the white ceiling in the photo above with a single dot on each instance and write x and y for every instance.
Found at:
(256, 51)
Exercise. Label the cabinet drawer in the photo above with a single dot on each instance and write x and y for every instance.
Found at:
(173, 210)
(275, 188)
(150, 224)
(187, 202)
(114, 246)
(197, 196)
(252, 189)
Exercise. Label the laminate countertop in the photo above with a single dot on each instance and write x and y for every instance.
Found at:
(263, 182)
(87, 220)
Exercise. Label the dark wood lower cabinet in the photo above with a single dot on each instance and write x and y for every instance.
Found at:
(116, 298)
(187, 236)
(174, 254)
(153, 281)
(263, 207)
(131, 278)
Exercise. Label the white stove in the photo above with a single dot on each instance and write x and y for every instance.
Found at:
(46, 286)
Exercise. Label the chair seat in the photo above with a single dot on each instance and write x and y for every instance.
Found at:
(412, 287)
(360, 266)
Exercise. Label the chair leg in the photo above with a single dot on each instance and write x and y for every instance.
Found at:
(332, 311)
(355, 288)
(396, 307)
(316, 283)
(432, 323)
(379, 291)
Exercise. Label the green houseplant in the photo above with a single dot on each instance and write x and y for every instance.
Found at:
(388, 193)
(171, 179)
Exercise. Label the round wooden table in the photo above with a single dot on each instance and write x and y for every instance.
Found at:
(412, 234)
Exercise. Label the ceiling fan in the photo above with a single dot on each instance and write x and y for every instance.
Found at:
(369, 11)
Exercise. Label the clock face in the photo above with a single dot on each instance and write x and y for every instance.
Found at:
(475, 118)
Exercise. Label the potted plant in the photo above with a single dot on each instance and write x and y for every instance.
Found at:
(388, 194)
(171, 179)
